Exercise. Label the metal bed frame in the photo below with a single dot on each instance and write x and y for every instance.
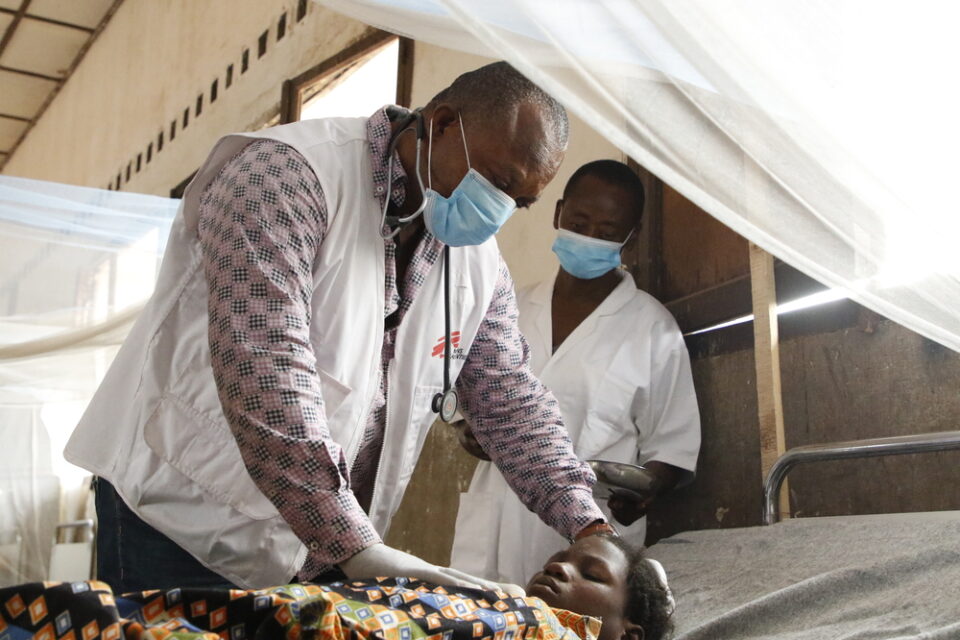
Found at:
(869, 448)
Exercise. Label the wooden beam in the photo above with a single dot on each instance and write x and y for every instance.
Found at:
(405, 72)
(13, 117)
(59, 23)
(732, 299)
(290, 102)
(767, 360)
(12, 27)
(32, 74)
(644, 252)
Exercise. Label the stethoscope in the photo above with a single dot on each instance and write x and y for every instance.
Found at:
(444, 403)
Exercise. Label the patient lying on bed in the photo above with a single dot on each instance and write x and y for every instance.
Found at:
(607, 578)
(595, 578)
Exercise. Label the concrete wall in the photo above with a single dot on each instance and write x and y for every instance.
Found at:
(149, 65)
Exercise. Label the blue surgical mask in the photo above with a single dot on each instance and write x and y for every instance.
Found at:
(473, 213)
(585, 257)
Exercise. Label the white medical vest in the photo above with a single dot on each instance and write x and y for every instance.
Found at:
(625, 389)
(156, 430)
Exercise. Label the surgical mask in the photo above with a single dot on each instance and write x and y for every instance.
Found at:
(473, 213)
(585, 257)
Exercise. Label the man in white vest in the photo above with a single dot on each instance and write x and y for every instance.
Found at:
(617, 363)
(264, 416)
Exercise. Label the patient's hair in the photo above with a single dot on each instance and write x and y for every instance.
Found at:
(649, 603)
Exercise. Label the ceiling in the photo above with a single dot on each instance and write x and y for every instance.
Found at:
(43, 42)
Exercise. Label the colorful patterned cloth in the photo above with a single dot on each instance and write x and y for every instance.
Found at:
(383, 609)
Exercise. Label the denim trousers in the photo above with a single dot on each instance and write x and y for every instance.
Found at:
(133, 556)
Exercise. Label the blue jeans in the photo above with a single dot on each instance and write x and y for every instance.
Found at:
(133, 556)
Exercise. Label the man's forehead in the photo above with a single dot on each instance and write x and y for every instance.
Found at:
(590, 187)
(523, 134)
(536, 141)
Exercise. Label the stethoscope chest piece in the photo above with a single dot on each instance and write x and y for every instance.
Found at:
(445, 404)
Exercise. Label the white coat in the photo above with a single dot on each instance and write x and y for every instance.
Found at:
(625, 389)
(156, 430)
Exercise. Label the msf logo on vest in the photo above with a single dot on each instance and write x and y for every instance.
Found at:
(456, 351)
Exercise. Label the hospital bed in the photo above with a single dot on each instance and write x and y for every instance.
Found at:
(872, 576)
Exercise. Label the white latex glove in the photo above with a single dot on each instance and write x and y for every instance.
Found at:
(380, 560)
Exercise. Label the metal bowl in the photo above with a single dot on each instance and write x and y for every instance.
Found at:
(615, 478)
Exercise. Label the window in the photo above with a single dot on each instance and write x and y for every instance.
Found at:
(262, 44)
(354, 89)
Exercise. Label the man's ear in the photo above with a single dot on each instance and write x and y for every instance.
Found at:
(556, 214)
(443, 116)
(632, 631)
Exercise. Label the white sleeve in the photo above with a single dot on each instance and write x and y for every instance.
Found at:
(672, 430)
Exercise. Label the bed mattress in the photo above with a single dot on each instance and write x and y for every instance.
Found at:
(890, 576)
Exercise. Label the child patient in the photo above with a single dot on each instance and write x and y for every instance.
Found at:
(606, 577)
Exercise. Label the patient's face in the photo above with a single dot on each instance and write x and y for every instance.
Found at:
(589, 577)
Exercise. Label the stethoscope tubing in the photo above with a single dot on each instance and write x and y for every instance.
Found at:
(397, 224)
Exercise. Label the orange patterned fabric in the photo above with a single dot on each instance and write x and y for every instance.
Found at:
(382, 609)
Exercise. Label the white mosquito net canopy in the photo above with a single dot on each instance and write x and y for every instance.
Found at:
(76, 267)
(825, 131)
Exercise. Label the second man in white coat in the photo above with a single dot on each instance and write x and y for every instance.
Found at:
(617, 363)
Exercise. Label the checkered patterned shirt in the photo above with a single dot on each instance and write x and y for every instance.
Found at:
(262, 222)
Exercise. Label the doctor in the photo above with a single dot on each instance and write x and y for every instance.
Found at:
(263, 418)
(616, 361)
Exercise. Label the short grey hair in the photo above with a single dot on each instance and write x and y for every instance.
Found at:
(496, 90)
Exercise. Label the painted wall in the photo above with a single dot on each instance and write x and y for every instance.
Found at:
(150, 64)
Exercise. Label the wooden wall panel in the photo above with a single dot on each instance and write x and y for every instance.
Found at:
(698, 251)
(874, 380)
(870, 380)
(726, 492)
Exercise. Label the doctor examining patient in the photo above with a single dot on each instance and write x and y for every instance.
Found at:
(261, 422)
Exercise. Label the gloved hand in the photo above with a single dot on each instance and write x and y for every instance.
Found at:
(379, 560)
